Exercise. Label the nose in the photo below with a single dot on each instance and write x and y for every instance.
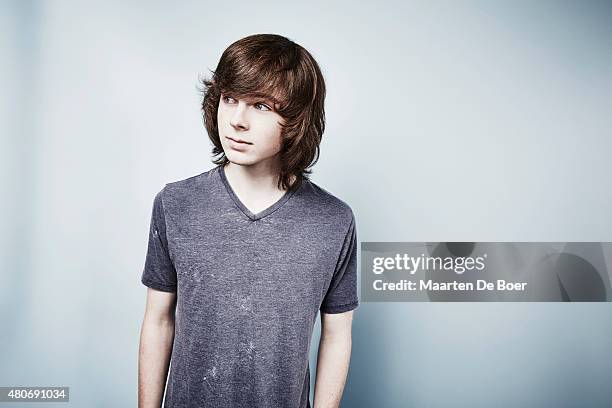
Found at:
(238, 119)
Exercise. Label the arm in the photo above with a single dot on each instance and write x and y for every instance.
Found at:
(333, 359)
(156, 339)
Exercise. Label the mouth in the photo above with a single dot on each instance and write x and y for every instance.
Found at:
(238, 140)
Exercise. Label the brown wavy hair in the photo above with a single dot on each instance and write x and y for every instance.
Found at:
(272, 67)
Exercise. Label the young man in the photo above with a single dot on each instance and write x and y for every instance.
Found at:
(242, 257)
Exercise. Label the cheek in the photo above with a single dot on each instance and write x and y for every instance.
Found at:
(274, 136)
(265, 130)
(221, 116)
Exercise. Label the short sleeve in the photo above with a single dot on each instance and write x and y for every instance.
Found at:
(159, 272)
(342, 293)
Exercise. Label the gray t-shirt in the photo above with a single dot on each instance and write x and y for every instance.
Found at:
(249, 286)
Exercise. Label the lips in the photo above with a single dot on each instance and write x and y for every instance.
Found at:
(238, 140)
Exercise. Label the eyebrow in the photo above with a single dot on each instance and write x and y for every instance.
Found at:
(268, 100)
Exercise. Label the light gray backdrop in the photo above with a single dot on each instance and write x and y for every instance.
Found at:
(447, 121)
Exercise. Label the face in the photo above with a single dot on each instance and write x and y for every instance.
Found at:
(249, 130)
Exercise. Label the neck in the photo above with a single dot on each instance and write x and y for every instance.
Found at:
(261, 177)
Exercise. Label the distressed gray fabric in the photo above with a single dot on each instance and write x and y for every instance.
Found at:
(249, 287)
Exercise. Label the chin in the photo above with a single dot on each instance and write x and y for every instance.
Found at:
(239, 159)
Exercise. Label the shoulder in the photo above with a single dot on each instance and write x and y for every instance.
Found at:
(187, 184)
(179, 194)
(327, 204)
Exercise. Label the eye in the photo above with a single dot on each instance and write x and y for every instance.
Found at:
(263, 105)
(228, 99)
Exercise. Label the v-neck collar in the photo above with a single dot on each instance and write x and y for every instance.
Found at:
(243, 208)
